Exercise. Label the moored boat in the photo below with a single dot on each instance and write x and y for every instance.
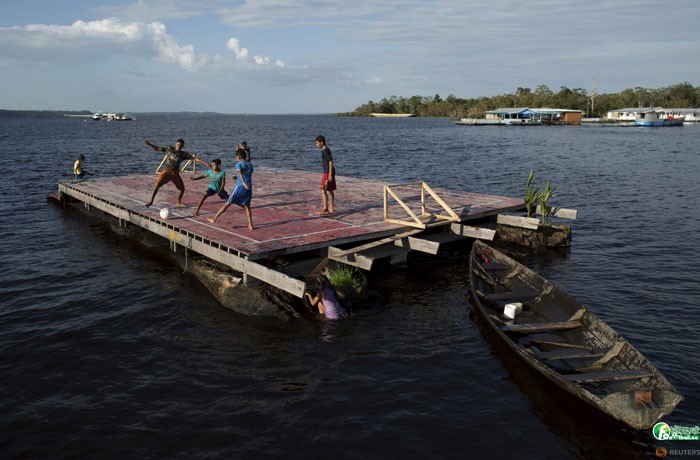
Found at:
(657, 118)
(566, 342)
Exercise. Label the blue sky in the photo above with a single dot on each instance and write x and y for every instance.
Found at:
(320, 56)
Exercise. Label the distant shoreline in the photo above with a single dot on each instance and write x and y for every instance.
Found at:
(88, 113)
(42, 113)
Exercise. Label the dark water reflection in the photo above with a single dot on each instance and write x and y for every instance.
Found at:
(107, 350)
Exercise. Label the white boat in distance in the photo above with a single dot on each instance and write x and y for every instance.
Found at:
(99, 116)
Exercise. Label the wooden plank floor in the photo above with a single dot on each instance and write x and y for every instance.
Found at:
(284, 206)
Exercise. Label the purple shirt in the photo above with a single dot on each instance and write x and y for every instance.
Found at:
(332, 309)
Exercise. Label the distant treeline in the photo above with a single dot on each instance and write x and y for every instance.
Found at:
(40, 113)
(682, 95)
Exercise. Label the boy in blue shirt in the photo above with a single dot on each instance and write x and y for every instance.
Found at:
(217, 183)
(243, 193)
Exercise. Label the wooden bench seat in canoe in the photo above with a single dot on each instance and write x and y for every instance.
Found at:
(537, 327)
(494, 266)
(608, 376)
(550, 339)
(507, 295)
(568, 353)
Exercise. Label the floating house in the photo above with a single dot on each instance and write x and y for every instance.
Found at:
(525, 116)
(514, 116)
(631, 114)
(559, 116)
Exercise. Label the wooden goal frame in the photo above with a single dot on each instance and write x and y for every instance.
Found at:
(419, 222)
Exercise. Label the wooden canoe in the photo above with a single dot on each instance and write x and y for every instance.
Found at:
(566, 342)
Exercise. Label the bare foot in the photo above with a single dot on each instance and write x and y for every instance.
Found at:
(148, 204)
(322, 213)
(250, 227)
(211, 219)
(180, 204)
(196, 213)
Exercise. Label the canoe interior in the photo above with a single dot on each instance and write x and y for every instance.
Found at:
(566, 342)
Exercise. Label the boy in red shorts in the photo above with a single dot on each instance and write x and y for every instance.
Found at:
(171, 168)
(328, 179)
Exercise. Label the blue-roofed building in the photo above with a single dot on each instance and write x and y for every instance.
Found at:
(526, 115)
(515, 115)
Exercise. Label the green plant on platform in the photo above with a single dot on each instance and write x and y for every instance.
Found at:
(532, 195)
(345, 278)
(544, 199)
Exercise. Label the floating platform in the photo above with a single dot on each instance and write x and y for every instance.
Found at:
(284, 207)
(498, 122)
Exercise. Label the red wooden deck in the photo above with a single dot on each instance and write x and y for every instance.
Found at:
(284, 206)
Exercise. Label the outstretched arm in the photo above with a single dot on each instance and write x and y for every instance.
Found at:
(199, 160)
(153, 146)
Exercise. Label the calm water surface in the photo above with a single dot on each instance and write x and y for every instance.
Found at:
(107, 350)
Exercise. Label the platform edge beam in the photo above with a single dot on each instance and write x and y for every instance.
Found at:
(517, 221)
(247, 267)
(469, 231)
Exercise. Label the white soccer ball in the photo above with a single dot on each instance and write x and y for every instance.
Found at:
(165, 213)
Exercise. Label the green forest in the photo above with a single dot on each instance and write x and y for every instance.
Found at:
(681, 95)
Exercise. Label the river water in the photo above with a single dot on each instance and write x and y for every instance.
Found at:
(107, 350)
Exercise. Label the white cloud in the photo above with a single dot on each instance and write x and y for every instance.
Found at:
(235, 45)
(106, 38)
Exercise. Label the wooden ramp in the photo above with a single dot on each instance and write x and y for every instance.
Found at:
(284, 208)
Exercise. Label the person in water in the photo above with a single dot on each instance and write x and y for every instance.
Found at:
(323, 297)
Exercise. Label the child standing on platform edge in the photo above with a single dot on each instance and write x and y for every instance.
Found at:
(217, 183)
(78, 168)
(244, 145)
(328, 179)
(243, 193)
